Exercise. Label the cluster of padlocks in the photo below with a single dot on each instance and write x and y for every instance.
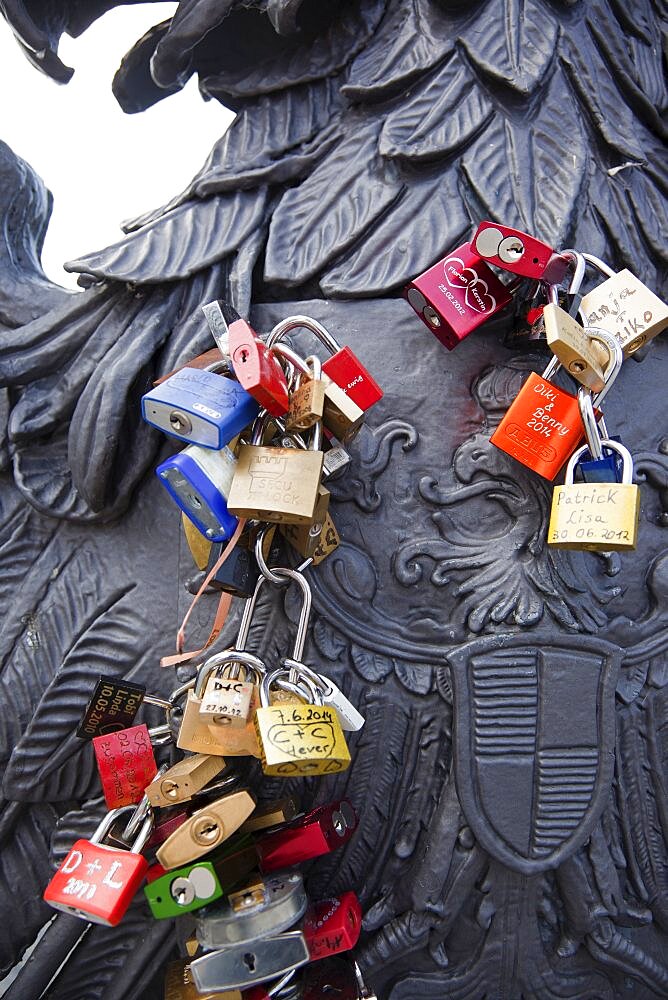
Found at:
(226, 865)
(598, 506)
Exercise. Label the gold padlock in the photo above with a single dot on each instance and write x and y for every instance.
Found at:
(227, 696)
(601, 517)
(180, 782)
(341, 415)
(305, 538)
(625, 307)
(279, 485)
(308, 400)
(219, 738)
(206, 829)
(299, 739)
(580, 354)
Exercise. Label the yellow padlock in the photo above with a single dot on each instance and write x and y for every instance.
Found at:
(601, 517)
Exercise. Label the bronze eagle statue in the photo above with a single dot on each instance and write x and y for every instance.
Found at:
(511, 778)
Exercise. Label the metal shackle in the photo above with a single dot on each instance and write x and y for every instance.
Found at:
(627, 461)
(220, 659)
(599, 264)
(306, 323)
(280, 678)
(588, 417)
(579, 271)
(104, 827)
(616, 357)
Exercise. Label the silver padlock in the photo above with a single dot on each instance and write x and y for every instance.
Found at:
(270, 907)
(244, 965)
(351, 720)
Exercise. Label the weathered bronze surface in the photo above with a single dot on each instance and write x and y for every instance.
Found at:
(511, 777)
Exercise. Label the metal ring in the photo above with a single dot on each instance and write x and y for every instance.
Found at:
(152, 699)
(142, 810)
(261, 561)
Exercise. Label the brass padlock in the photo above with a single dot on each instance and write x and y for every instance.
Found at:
(222, 739)
(279, 485)
(579, 352)
(308, 400)
(600, 517)
(299, 738)
(625, 307)
(180, 782)
(228, 697)
(305, 538)
(341, 414)
(206, 829)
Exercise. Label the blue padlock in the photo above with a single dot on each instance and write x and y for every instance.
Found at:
(200, 407)
(607, 469)
(199, 481)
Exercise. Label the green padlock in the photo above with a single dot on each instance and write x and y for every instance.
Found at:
(183, 890)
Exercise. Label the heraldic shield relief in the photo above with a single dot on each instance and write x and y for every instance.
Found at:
(534, 743)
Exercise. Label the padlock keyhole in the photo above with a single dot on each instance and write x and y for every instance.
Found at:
(249, 961)
(244, 356)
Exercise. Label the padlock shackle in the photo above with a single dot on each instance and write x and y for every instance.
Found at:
(599, 264)
(616, 358)
(588, 417)
(579, 269)
(552, 368)
(306, 323)
(627, 461)
(105, 826)
(280, 678)
(286, 352)
(221, 659)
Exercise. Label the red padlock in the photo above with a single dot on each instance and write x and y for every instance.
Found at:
(319, 832)
(258, 370)
(457, 295)
(543, 426)
(97, 882)
(126, 764)
(519, 252)
(332, 926)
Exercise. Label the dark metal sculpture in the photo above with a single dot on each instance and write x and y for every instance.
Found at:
(512, 772)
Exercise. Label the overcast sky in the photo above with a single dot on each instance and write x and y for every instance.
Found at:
(101, 165)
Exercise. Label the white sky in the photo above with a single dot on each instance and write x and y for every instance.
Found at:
(101, 165)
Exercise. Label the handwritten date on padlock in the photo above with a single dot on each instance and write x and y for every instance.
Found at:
(306, 735)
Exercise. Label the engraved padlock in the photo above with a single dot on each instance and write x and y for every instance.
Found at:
(269, 906)
(332, 926)
(206, 829)
(298, 738)
(98, 882)
(518, 252)
(307, 400)
(199, 480)
(228, 697)
(277, 485)
(126, 764)
(199, 407)
(183, 779)
(625, 307)
(456, 295)
(596, 516)
(343, 367)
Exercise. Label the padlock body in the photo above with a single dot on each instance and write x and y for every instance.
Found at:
(274, 905)
(333, 925)
(301, 739)
(227, 699)
(305, 538)
(199, 407)
(585, 358)
(183, 890)
(276, 484)
(627, 309)
(179, 985)
(96, 882)
(257, 369)
(194, 732)
(542, 427)
(238, 574)
(321, 831)
(306, 405)
(595, 516)
(112, 707)
(454, 297)
(241, 966)
(126, 764)
(340, 415)
(333, 977)
(349, 373)
(518, 252)
(199, 481)
(238, 741)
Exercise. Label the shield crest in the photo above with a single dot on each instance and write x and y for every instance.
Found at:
(534, 737)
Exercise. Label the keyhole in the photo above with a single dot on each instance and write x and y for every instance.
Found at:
(249, 961)
(244, 356)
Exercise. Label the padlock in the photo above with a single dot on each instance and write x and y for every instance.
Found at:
(165, 824)
(269, 907)
(457, 295)
(200, 546)
(332, 926)
(245, 965)
(598, 465)
(258, 369)
(321, 831)
(341, 415)
(200, 407)
(126, 764)
(199, 480)
(98, 882)
(351, 720)
(277, 485)
(183, 890)
(542, 426)
(308, 399)
(206, 829)
(179, 985)
(238, 574)
(596, 516)
(112, 706)
(305, 538)
(270, 814)
(298, 738)
(227, 698)
(218, 314)
(518, 252)
(625, 307)
(343, 367)
(180, 782)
